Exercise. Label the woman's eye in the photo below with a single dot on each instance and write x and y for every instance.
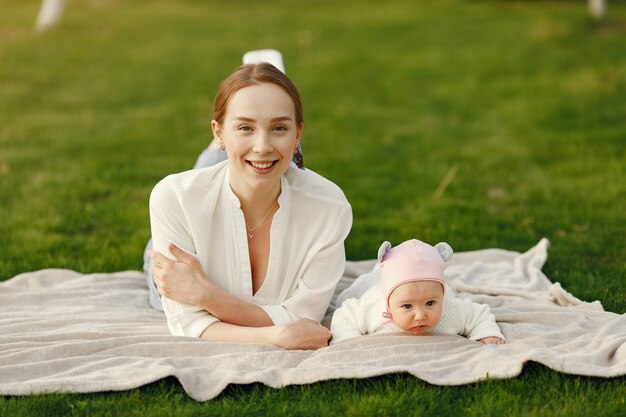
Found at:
(430, 303)
(280, 128)
(245, 128)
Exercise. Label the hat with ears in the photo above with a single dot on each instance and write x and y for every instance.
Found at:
(412, 260)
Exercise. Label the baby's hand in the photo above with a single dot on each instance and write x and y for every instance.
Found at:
(491, 341)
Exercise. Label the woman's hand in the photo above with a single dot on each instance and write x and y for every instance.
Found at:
(304, 334)
(182, 280)
(491, 341)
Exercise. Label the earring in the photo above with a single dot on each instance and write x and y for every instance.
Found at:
(297, 158)
(221, 146)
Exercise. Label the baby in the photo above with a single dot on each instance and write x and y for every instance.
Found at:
(413, 297)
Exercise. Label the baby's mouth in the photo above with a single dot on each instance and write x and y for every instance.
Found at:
(419, 329)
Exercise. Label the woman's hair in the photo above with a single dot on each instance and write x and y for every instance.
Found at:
(253, 74)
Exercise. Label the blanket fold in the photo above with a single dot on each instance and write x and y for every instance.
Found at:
(62, 331)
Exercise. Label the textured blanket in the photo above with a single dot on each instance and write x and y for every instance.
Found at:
(61, 331)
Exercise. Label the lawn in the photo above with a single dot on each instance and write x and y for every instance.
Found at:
(523, 104)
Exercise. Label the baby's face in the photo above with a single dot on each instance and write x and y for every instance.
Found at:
(416, 306)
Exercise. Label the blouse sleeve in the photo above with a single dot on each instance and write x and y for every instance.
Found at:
(319, 279)
(169, 225)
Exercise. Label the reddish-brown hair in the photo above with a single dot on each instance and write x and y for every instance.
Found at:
(253, 74)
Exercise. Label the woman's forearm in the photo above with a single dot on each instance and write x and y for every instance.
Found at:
(302, 334)
(226, 332)
(233, 310)
(183, 280)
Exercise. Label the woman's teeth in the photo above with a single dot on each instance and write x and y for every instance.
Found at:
(261, 165)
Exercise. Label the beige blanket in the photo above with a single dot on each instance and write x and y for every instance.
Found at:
(64, 331)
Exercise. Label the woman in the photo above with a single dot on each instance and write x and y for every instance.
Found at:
(255, 245)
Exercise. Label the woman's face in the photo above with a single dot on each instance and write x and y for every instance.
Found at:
(416, 306)
(259, 133)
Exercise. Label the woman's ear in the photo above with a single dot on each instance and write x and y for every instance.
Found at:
(299, 133)
(217, 131)
(382, 251)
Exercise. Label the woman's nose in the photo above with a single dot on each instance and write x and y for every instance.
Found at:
(262, 143)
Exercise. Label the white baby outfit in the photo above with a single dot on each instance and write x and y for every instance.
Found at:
(362, 316)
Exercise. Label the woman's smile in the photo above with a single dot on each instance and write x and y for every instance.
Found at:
(262, 166)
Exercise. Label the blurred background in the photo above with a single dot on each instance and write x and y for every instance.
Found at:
(482, 123)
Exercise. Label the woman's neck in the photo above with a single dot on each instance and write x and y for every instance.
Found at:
(256, 203)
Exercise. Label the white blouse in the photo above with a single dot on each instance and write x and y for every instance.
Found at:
(197, 211)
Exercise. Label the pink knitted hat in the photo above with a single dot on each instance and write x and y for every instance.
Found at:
(412, 260)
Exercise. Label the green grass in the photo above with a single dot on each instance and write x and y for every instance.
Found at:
(526, 99)
(394, 395)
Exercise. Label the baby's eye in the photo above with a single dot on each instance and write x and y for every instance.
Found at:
(430, 303)
(407, 306)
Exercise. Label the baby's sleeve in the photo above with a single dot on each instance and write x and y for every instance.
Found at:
(347, 321)
(479, 322)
